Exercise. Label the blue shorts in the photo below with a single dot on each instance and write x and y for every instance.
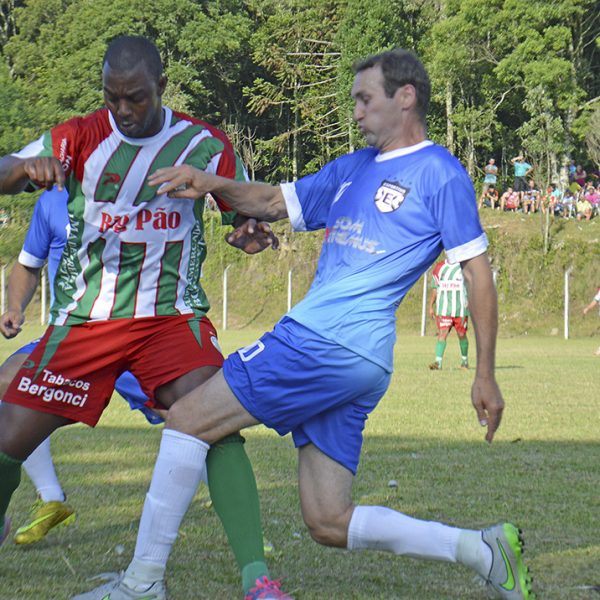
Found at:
(127, 386)
(293, 380)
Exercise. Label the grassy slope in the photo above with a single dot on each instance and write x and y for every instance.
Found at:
(542, 471)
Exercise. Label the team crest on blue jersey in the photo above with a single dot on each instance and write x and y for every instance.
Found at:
(390, 196)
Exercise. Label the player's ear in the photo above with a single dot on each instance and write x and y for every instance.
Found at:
(162, 84)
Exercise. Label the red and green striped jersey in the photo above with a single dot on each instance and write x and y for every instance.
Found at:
(131, 253)
(451, 294)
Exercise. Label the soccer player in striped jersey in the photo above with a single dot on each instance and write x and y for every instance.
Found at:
(388, 211)
(44, 241)
(127, 294)
(448, 305)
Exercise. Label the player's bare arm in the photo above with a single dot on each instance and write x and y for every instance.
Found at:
(483, 307)
(260, 200)
(42, 171)
(21, 286)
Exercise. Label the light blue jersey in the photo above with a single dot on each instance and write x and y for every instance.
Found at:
(387, 218)
(325, 366)
(45, 240)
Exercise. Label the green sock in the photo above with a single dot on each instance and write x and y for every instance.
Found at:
(235, 498)
(464, 348)
(440, 348)
(10, 477)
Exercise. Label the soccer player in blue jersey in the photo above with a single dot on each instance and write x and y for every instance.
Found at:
(388, 211)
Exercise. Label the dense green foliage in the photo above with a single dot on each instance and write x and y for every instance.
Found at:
(277, 73)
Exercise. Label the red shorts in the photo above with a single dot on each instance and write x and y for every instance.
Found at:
(459, 323)
(72, 371)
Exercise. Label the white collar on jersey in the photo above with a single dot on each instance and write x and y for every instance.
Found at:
(143, 141)
(403, 151)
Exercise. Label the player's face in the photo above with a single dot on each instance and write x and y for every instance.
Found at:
(134, 100)
(378, 116)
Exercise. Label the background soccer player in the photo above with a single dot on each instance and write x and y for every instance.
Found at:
(448, 306)
(388, 211)
(127, 292)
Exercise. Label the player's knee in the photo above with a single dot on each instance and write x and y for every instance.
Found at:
(327, 529)
(179, 420)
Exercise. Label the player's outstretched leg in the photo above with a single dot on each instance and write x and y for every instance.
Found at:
(50, 510)
(166, 503)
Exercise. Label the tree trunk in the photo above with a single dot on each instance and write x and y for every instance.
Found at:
(449, 113)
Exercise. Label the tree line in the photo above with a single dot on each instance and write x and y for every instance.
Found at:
(507, 76)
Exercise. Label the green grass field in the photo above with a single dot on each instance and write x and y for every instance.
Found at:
(543, 472)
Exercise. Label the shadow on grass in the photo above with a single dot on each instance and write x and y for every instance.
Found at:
(550, 489)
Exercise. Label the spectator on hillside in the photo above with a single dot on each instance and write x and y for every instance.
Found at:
(509, 200)
(572, 169)
(490, 198)
(530, 201)
(593, 197)
(584, 209)
(580, 176)
(556, 200)
(491, 175)
(522, 169)
(568, 203)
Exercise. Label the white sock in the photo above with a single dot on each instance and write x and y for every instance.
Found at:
(178, 470)
(473, 552)
(381, 528)
(40, 469)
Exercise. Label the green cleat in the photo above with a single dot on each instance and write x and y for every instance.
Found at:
(45, 516)
(115, 589)
(508, 577)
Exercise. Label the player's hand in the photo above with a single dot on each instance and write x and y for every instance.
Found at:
(45, 172)
(432, 313)
(253, 237)
(10, 323)
(183, 181)
(489, 404)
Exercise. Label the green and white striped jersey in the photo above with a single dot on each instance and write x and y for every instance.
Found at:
(131, 253)
(451, 294)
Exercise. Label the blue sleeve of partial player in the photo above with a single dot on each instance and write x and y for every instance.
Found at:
(454, 210)
(38, 238)
(309, 199)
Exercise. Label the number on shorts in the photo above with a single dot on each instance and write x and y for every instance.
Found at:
(249, 352)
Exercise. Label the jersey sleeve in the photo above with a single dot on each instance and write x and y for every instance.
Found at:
(60, 142)
(215, 154)
(454, 210)
(37, 240)
(309, 199)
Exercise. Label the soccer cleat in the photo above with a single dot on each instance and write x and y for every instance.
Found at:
(115, 589)
(435, 366)
(5, 530)
(266, 589)
(45, 516)
(464, 365)
(508, 576)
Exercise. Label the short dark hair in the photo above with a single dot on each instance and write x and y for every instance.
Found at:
(127, 51)
(400, 67)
